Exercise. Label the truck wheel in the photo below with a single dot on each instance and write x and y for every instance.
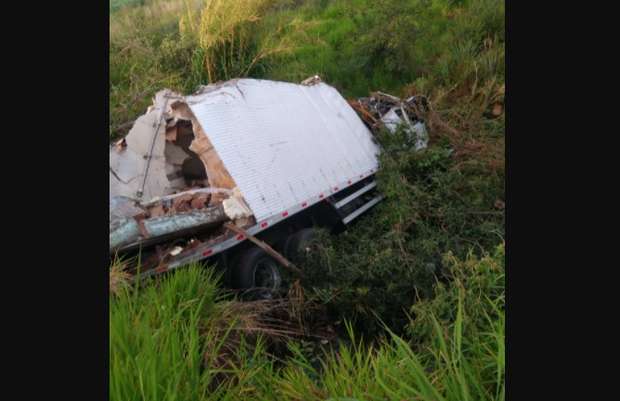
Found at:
(256, 269)
(297, 244)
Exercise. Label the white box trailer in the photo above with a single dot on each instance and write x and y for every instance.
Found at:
(277, 158)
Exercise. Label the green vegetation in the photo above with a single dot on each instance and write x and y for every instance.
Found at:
(382, 265)
(116, 5)
(418, 283)
(442, 48)
(179, 340)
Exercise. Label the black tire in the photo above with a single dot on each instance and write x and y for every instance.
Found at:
(296, 245)
(254, 268)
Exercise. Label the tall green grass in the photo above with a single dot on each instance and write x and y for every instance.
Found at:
(168, 341)
(156, 347)
(364, 45)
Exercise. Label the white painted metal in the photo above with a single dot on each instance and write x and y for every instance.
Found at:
(362, 209)
(355, 194)
(416, 131)
(210, 249)
(285, 144)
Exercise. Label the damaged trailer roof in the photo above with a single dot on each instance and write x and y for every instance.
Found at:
(279, 143)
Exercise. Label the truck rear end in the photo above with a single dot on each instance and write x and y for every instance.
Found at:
(272, 158)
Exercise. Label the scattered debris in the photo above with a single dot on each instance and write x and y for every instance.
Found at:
(131, 222)
(156, 229)
(312, 81)
(122, 207)
(176, 250)
(236, 208)
(384, 110)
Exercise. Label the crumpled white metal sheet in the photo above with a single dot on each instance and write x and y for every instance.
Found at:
(415, 131)
(284, 143)
(128, 165)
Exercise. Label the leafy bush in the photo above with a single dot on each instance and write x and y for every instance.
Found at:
(382, 264)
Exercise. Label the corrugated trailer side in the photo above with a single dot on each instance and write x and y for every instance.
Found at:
(285, 144)
(293, 152)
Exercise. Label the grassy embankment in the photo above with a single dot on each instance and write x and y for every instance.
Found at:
(443, 213)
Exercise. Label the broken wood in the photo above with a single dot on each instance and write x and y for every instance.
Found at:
(218, 175)
(265, 247)
(366, 116)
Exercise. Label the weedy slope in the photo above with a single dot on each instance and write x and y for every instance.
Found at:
(418, 283)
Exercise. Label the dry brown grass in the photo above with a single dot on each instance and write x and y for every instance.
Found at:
(119, 278)
(261, 326)
(227, 33)
(457, 115)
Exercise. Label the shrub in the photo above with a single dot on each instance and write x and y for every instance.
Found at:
(389, 258)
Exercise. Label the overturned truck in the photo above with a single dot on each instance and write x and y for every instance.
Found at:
(197, 175)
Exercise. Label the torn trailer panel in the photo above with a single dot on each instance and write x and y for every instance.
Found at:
(155, 225)
(279, 143)
(165, 152)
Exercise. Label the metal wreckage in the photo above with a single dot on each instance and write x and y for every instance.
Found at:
(240, 173)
